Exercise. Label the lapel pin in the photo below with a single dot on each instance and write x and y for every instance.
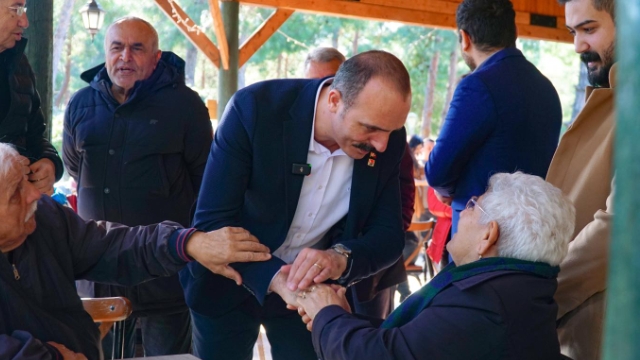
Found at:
(372, 159)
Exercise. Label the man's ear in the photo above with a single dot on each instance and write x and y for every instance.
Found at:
(334, 99)
(489, 245)
(465, 41)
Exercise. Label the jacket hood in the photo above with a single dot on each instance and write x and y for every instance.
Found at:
(168, 58)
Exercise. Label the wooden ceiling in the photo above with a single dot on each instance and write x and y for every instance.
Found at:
(536, 19)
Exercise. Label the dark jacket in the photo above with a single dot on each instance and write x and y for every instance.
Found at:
(504, 117)
(43, 304)
(140, 162)
(266, 128)
(24, 125)
(502, 315)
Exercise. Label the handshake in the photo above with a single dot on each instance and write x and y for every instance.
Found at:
(299, 284)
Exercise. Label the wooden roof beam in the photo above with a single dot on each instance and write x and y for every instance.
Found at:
(262, 34)
(197, 37)
(218, 29)
(368, 11)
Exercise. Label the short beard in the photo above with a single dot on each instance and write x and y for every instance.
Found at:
(599, 77)
(469, 61)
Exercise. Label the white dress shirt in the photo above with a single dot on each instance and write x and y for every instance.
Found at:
(324, 198)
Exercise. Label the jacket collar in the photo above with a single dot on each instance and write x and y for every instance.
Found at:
(499, 56)
(14, 54)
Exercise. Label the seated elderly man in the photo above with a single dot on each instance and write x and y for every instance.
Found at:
(41, 316)
(497, 303)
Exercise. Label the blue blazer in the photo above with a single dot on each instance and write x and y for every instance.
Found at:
(504, 117)
(503, 315)
(249, 182)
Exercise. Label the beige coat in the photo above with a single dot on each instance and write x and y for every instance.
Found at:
(582, 168)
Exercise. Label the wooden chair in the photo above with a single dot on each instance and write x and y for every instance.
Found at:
(107, 312)
(419, 227)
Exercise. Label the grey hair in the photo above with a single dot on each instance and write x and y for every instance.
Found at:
(536, 220)
(9, 160)
(324, 55)
(156, 39)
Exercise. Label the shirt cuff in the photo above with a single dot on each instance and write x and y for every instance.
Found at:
(178, 244)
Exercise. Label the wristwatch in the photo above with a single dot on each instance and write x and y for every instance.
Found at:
(346, 252)
(342, 250)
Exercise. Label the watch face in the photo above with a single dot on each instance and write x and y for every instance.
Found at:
(342, 249)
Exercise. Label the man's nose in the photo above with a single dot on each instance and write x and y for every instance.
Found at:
(33, 194)
(380, 142)
(126, 55)
(580, 45)
(23, 21)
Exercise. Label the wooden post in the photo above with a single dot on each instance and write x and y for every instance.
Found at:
(622, 325)
(40, 51)
(228, 79)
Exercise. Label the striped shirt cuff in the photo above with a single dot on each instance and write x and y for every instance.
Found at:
(178, 244)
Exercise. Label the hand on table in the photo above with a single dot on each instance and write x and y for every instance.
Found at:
(313, 266)
(43, 175)
(215, 250)
(66, 353)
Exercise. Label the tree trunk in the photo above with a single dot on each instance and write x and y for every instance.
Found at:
(427, 111)
(203, 76)
(67, 74)
(191, 60)
(578, 103)
(39, 51)
(286, 66)
(453, 79)
(354, 45)
(279, 67)
(334, 39)
(64, 23)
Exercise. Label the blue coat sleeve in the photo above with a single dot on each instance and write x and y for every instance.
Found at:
(439, 332)
(21, 345)
(226, 178)
(470, 120)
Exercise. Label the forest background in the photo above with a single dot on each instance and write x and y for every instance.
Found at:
(431, 55)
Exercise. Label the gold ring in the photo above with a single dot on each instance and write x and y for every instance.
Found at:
(312, 288)
(318, 266)
(302, 294)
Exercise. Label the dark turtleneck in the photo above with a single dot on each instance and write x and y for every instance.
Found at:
(5, 92)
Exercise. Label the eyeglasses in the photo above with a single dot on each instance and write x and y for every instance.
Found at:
(473, 203)
(19, 9)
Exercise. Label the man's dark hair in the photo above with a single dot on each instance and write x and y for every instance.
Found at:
(356, 72)
(491, 24)
(607, 5)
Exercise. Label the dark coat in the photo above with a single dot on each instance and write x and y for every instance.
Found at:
(502, 315)
(266, 128)
(24, 126)
(140, 162)
(504, 117)
(43, 304)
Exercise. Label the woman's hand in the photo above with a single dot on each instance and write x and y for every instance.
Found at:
(318, 297)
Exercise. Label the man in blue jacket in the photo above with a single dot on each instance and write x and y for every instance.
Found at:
(310, 167)
(44, 247)
(505, 116)
(136, 141)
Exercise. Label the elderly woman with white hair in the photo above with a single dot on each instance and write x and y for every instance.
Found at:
(495, 302)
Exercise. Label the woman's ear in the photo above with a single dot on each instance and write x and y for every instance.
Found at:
(488, 246)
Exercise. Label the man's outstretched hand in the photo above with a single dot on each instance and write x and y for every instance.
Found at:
(217, 249)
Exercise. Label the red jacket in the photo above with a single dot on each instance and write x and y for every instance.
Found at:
(443, 214)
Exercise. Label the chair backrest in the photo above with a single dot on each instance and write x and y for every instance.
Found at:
(419, 226)
(107, 309)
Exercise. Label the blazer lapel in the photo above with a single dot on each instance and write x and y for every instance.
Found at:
(296, 137)
(363, 189)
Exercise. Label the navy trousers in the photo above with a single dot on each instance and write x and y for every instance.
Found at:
(233, 335)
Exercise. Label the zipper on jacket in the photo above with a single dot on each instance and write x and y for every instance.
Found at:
(16, 274)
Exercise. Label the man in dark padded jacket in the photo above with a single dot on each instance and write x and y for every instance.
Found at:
(22, 122)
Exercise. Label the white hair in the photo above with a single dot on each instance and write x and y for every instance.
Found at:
(9, 160)
(535, 219)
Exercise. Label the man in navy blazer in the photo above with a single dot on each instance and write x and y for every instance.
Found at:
(505, 116)
(310, 167)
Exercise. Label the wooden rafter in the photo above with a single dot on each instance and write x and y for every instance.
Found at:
(433, 13)
(218, 29)
(262, 34)
(198, 38)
